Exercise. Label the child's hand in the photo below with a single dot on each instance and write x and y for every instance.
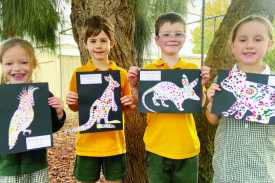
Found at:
(58, 105)
(205, 74)
(128, 101)
(133, 76)
(211, 91)
(71, 98)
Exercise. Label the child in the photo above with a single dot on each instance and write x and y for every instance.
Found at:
(18, 62)
(171, 141)
(245, 151)
(106, 149)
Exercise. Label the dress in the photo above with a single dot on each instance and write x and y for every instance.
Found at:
(244, 151)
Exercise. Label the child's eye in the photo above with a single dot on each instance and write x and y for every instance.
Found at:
(242, 40)
(92, 41)
(25, 62)
(258, 39)
(103, 41)
(165, 35)
(7, 64)
(179, 35)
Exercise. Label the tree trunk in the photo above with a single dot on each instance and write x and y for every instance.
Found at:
(220, 54)
(220, 57)
(121, 15)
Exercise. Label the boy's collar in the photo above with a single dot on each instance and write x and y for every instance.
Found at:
(113, 66)
(180, 65)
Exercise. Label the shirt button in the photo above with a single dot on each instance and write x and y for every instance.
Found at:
(246, 125)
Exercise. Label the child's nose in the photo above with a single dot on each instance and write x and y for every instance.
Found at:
(98, 44)
(249, 44)
(17, 67)
(173, 37)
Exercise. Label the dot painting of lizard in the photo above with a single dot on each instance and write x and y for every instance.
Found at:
(255, 97)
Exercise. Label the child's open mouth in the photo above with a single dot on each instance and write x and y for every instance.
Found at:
(249, 54)
(18, 76)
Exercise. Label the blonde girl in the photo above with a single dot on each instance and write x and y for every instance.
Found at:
(18, 63)
(245, 151)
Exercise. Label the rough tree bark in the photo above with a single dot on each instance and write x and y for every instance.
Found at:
(220, 57)
(121, 15)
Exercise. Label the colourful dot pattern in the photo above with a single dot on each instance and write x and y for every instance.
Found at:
(101, 107)
(255, 97)
(169, 91)
(23, 116)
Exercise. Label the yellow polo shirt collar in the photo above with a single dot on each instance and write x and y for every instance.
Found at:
(180, 65)
(113, 66)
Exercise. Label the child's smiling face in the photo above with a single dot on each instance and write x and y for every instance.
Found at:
(173, 46)
(99, 46)
(16, 65)
(251, 42)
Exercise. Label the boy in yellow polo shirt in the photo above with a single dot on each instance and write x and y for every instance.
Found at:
(171, 141)
(106, 149)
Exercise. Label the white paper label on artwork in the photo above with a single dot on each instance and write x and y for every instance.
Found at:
(271, 81)
(38, 142)
(90, 79)
(150, 75)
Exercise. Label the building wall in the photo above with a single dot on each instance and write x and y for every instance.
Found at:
(68, 66)
(47, 70)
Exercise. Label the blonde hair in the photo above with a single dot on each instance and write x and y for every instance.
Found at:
(12, 42)
(250, 18)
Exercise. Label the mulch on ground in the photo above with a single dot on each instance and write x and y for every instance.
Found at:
(61, 157)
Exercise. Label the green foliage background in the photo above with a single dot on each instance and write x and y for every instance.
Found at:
(212, 8)
(34, 20)
(146, 12)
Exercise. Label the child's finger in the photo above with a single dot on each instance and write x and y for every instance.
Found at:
(72, 97)
(54, 103)
(71, 101)
(132, 106)
(128, 103)
(205, 73)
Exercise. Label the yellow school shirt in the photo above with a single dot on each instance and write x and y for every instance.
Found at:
(101, 144)
(171, 135)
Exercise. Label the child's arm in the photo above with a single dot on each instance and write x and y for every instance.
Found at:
(71, 101)
(57, 112)
(205, 76)
(133, 81)
(212, 118)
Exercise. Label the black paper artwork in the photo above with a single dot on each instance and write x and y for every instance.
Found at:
(177, 90)
(99, 101)
(245, 96)
(25, 118)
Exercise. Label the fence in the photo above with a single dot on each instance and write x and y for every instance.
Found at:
(57, 69)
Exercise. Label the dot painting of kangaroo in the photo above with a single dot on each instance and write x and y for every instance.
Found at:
(255, 97)
(169, 91)
(101, 107)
